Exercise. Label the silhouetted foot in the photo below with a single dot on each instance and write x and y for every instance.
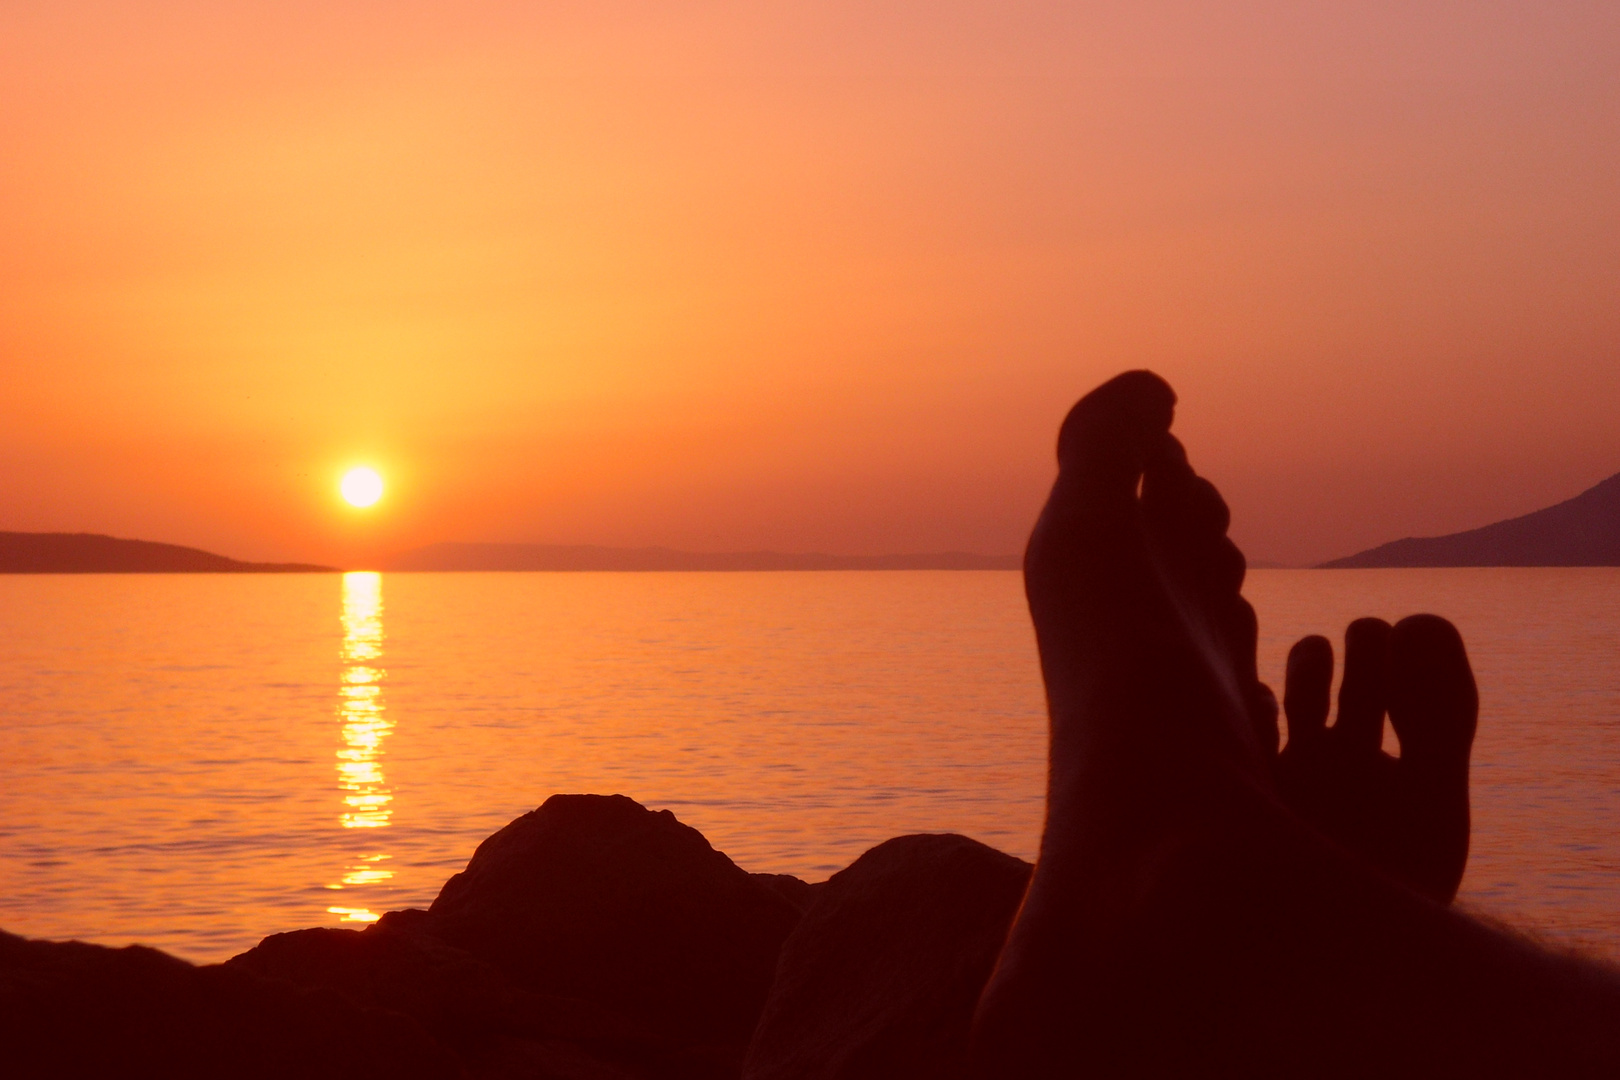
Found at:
(1163, 739)
(1182, 919)
(1408, 816)
(1146, 645)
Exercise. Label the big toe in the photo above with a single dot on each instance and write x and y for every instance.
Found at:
(1433, 702)
(1112, 431)
(1307, 689)
(1090, 529)
(1433, 706)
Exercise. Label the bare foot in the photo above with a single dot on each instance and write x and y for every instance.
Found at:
(1408, 816)
(1162, 736)
(1182, 920)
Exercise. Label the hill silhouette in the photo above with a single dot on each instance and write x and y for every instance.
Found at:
(91, 553)
(571, 557)
(1583, 531)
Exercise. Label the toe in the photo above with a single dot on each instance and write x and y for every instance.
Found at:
(1308, 688)
(1092, 519)
(1110, 433)
(1186, 519)
(1364, 694)
(1243, 629)
(1188, 516)
(1433, 702)
(1433, 706)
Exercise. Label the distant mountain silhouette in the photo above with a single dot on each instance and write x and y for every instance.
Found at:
(1585, 531)
(89, 553)
(442, 557)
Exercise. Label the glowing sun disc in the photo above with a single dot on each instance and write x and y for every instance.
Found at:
(361, 486)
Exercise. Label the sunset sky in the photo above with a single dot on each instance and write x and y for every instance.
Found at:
(801, 276)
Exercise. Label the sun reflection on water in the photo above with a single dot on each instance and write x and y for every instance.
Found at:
(366, 795)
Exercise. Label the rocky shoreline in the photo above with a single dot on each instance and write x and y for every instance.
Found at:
(591, 939)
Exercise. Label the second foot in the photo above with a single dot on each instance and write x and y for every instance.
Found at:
(1408, 815)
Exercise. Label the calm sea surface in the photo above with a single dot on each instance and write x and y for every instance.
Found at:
(195, 761)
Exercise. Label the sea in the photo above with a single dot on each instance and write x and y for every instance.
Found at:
(195, 761)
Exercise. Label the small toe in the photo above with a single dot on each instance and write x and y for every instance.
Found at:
(1189, 516)
(1185, 519)
(1307, 691)
(1364, 694)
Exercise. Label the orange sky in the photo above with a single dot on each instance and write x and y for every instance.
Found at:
(803, 276)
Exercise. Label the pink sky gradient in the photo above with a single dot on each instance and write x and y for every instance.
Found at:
(796, 276)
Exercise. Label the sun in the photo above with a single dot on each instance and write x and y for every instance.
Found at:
(361, 486)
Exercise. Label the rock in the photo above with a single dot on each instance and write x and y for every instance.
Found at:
(523, 1059)
(801, 894)
(460, 999)
(881, 977)
(592, 939)
(71, 1009)
(465, 1002)
(599, 899)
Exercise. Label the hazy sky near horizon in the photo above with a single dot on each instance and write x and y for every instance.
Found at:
(809, 276)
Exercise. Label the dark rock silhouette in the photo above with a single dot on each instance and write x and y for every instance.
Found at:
(455, 557)
(1583, 531)
(90, 553)
(600, 939)
(801, 894)
(68, 1009)
(463, 1002)
(592, 939)
(597, 898)
(880, 978)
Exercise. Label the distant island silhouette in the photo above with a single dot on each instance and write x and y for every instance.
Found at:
(92, 553)
(1583, 531)
(573, 557)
